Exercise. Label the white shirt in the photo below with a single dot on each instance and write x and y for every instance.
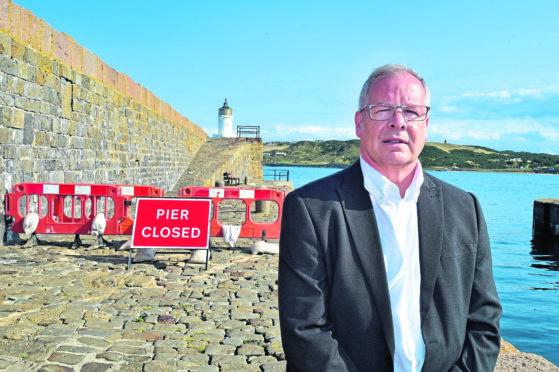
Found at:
(397, 223)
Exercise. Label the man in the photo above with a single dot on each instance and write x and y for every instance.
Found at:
(384, 267)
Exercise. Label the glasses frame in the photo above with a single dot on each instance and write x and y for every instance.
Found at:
(394, 108)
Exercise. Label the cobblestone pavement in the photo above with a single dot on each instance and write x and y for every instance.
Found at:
(81, 310)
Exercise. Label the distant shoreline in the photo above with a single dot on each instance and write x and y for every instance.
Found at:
(342, 166)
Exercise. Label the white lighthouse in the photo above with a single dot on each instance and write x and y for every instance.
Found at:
(225, 121)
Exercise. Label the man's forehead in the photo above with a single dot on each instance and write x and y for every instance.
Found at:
(400, 83)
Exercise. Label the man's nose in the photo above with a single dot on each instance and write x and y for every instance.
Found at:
(398, 120)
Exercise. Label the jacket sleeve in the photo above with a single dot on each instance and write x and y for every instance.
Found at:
(306, 333)
(482, 342)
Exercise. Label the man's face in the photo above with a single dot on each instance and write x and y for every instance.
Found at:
(392, 145)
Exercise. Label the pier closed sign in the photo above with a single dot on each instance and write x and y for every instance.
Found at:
(172, 223)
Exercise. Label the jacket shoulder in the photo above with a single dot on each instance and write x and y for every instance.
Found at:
(445, 187)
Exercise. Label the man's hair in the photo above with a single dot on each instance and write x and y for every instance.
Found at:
(390, 70)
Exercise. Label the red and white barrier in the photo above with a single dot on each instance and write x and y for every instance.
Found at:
(250, 228)
(71, 208)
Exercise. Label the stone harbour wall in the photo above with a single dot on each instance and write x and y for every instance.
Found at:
(68, 117)
(246, 162)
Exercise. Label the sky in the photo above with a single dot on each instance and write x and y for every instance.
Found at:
(295, 68)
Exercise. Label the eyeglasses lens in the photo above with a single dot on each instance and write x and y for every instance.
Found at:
(411, 113)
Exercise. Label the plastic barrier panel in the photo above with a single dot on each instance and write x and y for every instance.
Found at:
(71, 208)
(249, 228)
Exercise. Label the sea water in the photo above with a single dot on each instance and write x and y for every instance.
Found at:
(526, 274)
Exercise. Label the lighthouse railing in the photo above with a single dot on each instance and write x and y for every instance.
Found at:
(248, 131)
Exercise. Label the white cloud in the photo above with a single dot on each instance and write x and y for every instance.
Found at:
(447, 108)
(526, 134)
(487, 136)
(507, 94)
(498, 94)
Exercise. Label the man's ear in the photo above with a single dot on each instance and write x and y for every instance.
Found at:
(358, 123)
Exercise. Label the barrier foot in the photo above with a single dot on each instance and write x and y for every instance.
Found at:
(33, 241)
(9, 235)
(208, 255)
(77, 242)
(100, 243)
(129, 258)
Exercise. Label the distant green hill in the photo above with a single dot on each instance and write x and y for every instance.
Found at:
(434, 156)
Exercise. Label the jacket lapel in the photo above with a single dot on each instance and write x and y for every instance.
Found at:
(360, 217)
(430, 218)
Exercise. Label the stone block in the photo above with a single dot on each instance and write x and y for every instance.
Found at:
(18, 50)
(15, 20)
(62, 47)
(39, 139)
(34, 106)
(5, 116)
(89, 63)
(4, 136)
(32, 73)
(8, 66)
(50, 96)
(28, 129)
(66, 99)
(44, 123)
(24, 27)
(15, 136)
(31, 56)
(76, 54)
(3, 85)
(40, 77)
(45, 108)
(4, 14)
(18, 118)
(78, 143)
(45, 63)
(34, 31)
(53, 82)
(33, 91)
(5, 43)
(55, 66)
(109, 75)
(85, 82)
(26, 165)
(22, 103)
(46, 38)
(64, 72)
(56, 177)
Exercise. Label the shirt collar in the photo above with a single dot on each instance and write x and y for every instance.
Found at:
(383, 190)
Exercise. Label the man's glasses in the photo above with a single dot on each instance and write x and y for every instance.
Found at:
(386, 112)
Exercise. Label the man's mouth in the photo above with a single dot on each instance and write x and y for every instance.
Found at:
(394, 141)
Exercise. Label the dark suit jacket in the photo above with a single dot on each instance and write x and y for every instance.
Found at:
(334, 303)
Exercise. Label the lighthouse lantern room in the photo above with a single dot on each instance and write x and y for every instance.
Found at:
(225, 121)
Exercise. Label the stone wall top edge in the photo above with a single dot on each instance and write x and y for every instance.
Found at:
(22, 25)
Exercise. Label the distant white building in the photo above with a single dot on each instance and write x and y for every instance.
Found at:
(225, 121)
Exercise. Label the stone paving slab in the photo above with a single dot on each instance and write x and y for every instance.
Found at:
(81, 310)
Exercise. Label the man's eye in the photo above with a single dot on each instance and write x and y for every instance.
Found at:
(382, 110)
